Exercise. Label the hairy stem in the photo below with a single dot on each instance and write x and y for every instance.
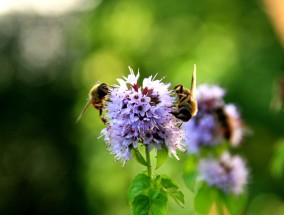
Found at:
(149, 165)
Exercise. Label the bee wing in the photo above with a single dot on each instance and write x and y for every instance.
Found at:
(193, 81)
(85, 108)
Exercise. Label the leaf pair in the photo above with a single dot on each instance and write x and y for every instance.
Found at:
(148, 196)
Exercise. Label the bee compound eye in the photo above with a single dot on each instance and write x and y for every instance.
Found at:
(104, 87)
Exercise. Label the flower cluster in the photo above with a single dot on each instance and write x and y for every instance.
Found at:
(214, 122)
(141, 114)
(228, 173)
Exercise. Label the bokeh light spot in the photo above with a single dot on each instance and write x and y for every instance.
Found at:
(129, 25)
(103, 66)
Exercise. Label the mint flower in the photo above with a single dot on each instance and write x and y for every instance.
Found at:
(229, 173)
(141, 114)
(209, 97)
(200, 131)
(215, 121)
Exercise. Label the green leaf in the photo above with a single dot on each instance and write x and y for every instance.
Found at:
(139, 185)
(236, 204)
(190, 164)
(277, 164)
(154, 191)
(190, 172)
(171, 188)
(153, 200)
(159, 204)
(141, 205)
(162, 155)
(190, 180)
(204, 199)
(137, 155)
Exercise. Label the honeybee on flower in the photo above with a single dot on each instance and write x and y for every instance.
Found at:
(215, 121)
(141, 114)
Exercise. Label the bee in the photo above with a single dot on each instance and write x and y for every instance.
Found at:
(225, 123)
(187, 105)
(226, 167)
(230, 124)
(97, 97)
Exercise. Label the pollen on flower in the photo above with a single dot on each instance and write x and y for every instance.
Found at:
(139, 114)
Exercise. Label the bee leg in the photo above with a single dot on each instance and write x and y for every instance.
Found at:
(108, 100)
(103, 120)
(182, 97)
(101, 117)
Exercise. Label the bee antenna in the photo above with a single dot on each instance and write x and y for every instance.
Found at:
(193, 81)
(85, 108)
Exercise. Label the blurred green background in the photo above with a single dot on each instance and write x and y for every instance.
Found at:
(51, 55)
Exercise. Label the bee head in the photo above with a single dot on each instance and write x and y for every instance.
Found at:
(178, 89)
(103, 87)
(102, 90)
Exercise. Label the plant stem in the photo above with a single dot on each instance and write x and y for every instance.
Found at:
(149, 165)
(219, 208)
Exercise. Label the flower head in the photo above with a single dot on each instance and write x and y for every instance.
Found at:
(141, 114)
(209, 97)
(214, 122)
(229, 173)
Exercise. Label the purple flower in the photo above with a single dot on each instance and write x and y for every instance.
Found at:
(229, 173)
(215, 121)
(141, 114)
(201, 131)
(209, 97)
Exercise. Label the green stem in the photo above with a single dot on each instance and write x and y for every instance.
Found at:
(219, 207)
(149, 165)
